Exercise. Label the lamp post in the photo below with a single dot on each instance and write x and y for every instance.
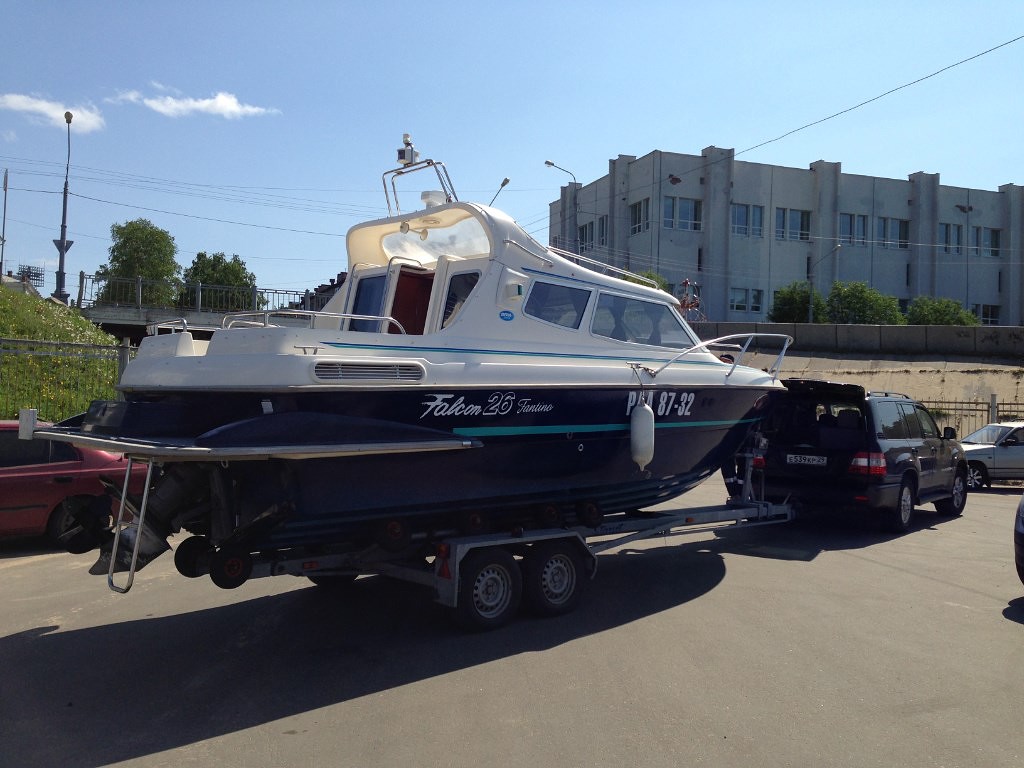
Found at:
(575, 194)
(64, 244)
(810, 282)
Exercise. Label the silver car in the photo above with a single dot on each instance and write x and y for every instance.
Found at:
(994, 452)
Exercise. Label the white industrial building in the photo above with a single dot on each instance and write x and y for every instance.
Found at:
(742, 231)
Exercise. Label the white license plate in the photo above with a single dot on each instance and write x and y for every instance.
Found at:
(818, 461)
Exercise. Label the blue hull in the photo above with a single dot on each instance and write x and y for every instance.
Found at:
(540, 449)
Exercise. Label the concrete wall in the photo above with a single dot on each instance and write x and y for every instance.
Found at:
(984, 341)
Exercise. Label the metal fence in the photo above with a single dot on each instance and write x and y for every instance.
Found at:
(59, 379)
(175, 294)
(968, 415)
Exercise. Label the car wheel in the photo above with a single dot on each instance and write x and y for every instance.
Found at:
(954, 505)
(898, 519)
(977, 476)
(61, 520)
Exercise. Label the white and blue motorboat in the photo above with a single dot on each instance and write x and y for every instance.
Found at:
(465, 377)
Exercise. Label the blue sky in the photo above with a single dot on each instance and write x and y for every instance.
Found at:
(262, 129)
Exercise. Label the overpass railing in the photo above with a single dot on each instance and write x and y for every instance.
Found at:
(95, 291)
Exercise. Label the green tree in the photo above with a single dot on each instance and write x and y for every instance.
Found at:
(226, 284)
(141, 249)
(927, 310)
(790, 304)
(857, 304)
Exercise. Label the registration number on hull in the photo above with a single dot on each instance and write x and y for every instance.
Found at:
(796, 458)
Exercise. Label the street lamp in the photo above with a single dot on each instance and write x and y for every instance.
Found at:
(810, 282)
(64, 244)
(575, 196)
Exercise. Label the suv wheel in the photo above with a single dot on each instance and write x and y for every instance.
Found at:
(977, 476)
(954, 505)
(898, 518)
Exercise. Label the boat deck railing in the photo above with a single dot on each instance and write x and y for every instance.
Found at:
(300, 318)
(742, 349)
(602, 268)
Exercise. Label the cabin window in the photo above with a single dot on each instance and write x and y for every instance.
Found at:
(645, 322)
(558, 304)
(459, 288)
(369, 300)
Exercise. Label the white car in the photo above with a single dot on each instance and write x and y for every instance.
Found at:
(994, 452)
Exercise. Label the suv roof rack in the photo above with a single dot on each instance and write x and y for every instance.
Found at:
(889, 394)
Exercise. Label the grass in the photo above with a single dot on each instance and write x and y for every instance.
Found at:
(58, 381)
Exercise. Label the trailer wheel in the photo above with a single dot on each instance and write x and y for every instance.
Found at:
(230, 567)
(393, 535)
(490, 588)
(554, 578)
(589, 514)
(191, 556)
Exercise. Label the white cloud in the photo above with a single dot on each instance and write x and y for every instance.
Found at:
(222, 104)
(85, 119)
(172, 104)
(9, 137)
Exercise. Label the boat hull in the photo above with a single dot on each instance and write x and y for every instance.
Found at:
(543, 449)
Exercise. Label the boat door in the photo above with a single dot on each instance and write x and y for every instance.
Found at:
(400, 291)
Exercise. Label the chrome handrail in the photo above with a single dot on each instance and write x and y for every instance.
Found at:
(262, 319)
(703, 346)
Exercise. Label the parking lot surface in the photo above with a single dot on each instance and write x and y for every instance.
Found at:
(815, 644)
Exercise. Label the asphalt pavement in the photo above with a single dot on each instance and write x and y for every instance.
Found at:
(812, 644)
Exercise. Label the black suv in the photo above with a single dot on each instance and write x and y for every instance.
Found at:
(834, 446)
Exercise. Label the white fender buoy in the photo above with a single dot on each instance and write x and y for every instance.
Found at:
(641, 433)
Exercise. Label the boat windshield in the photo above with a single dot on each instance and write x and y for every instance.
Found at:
(627, 318)
(426, 239)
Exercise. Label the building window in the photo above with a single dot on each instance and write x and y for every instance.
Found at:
(892, 233)
(853, 228)
(988, 314)
(586, 236)
(738, 299)
(951, 237)
(792, 224)
(682, 213)
(746, 299)
(747, 220)
(640, 216)
(990, 242)
(740, 216)
(602, 231)
(756, 300)
(757, 221)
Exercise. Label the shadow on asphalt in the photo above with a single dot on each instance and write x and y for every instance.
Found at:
(806, 538)
(24, 547)
(190, 677)
(1014, 610)
(194, 676)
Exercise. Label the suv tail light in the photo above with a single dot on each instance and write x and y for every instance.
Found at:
(867, 463)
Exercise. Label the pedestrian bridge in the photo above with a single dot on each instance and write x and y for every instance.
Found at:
(131, 308)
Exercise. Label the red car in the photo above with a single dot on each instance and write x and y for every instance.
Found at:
(43, 482)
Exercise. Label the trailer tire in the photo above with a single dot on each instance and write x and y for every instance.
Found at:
(191, 557)
(490, 589)
(230, 567)
(554, 578)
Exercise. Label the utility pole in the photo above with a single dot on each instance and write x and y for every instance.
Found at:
(3, 233)
(64, 244)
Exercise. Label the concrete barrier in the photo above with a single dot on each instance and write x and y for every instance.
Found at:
(941, 341)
